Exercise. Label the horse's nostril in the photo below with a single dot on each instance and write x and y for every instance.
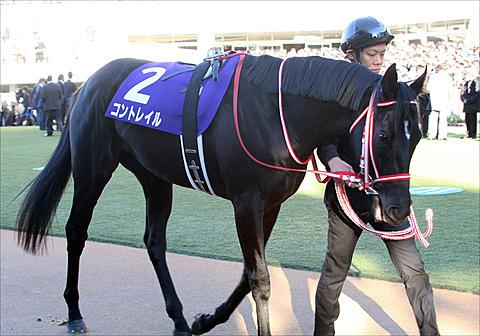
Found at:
(396, 213)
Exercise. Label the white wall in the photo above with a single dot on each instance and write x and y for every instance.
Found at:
(97, 32)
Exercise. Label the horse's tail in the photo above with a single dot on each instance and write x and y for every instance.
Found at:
(36, 212)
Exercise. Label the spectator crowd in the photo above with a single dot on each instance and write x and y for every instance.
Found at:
(458, 61)
(452, 67)
(44, 105)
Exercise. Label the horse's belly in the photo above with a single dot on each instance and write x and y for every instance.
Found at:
(161, 154)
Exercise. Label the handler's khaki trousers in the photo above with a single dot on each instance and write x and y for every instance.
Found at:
(342, 239)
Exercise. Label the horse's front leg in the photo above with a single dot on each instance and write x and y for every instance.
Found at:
(205, 322)
(249, 223)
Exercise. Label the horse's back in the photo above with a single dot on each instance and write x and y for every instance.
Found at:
(92, 133)
(112, 74)
(86, 116)
(99, 89)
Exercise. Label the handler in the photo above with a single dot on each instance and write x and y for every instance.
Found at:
(364, 41)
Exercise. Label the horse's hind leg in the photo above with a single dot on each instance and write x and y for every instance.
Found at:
(205, 322)
(92, 167)
(158, 195)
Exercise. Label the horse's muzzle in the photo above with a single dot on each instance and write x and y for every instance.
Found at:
(394, 214)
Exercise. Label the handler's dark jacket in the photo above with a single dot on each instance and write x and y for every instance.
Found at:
(361, 202)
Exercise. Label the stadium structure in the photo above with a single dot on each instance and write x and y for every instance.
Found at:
(36, 53)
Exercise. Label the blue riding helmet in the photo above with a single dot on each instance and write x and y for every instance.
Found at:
(364, 32)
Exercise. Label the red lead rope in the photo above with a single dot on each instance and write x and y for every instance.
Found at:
(282, 118)
(367, 150)
(412, 231)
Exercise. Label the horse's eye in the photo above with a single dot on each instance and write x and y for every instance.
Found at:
(383, 136)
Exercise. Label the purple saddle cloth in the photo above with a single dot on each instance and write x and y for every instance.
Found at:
(149, 97)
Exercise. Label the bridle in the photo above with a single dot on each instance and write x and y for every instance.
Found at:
(361, 179)
(367, 156)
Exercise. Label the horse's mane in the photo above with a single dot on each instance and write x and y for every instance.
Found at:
(313, 77)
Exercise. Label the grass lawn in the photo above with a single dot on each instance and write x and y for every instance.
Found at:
(299, 237)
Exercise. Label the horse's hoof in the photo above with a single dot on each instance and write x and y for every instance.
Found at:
(181, 333)
(76, 327)
(199, 324)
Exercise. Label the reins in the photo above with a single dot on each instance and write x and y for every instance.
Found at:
(346, 176)
(363, 178)
(412, 231)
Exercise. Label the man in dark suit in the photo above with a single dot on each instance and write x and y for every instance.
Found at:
(38, 104)
(68, 88)
(62, 100)
(52, 96)
(471, 106)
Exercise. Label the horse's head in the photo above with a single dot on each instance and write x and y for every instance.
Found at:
(393, 139)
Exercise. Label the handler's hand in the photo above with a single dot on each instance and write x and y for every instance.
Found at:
(336, 164)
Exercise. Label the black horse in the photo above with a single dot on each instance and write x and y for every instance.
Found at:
(320, 99)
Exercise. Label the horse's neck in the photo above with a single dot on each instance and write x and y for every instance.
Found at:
(311, 123)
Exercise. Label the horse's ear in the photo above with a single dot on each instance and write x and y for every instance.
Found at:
(389, 83)
(419, 84)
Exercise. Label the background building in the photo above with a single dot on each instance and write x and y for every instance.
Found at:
(41, 38)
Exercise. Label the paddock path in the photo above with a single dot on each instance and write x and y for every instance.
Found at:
(120, 296)
(453, 159)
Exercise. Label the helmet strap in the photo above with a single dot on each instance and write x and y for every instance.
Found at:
(357, 55)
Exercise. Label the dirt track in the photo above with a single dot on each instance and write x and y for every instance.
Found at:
(120, 296)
